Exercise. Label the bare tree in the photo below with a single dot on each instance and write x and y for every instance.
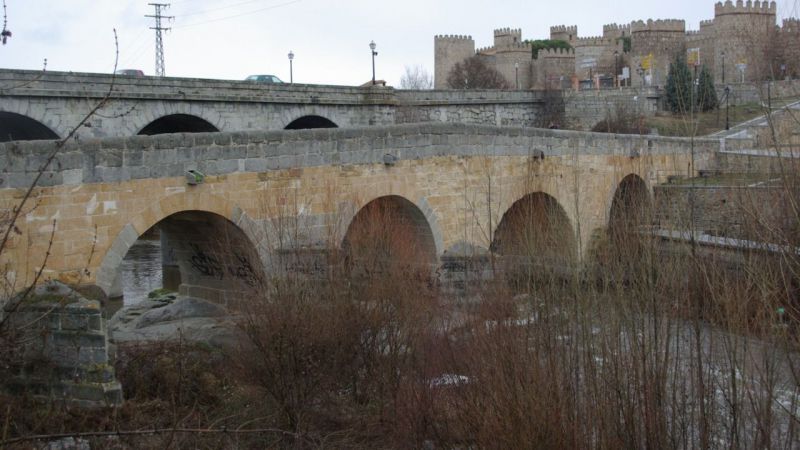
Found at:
(5, 33)
(473, 73)
(417, 78)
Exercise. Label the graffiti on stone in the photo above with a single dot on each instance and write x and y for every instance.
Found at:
(205, 264)
(244, 271)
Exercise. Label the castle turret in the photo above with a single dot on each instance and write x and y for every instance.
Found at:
(507, 37)
(745, 32)
(654, 45)
(564, 33)
(449, 51)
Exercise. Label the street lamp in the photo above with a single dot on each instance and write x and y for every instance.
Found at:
(291, 74)
(372, 47)
(727, 117)
(640, 71)
(516, 74)
(616, 68)
(723, 67)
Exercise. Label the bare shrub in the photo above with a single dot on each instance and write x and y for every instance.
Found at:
(474, 73)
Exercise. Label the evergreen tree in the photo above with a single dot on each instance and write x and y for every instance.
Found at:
(679, 85)
(706, 94)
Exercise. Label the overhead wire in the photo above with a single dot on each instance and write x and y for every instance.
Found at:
(238, 15)
(195, 13)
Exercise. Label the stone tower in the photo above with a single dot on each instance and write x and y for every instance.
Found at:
(450, 50)
(745, 31)
(663, 39)
(564, 33)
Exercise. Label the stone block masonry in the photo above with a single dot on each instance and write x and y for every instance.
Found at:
(103, 194)
(64, 349)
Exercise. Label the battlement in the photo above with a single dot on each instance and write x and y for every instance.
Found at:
(750, 7)
(791, 24)
(572, 29)
(615, 30)
(485, 50)
(552, 53)
(516, 47)
(706, 24)
(593, 41)
(661, 25)
(508, 32)
(452, 37)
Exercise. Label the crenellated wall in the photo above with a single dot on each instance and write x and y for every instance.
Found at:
(742, 43)
(449, 50)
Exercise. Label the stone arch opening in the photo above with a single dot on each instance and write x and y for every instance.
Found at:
(308, 122)
(16, 127)
(535, 235)
(198, 253)
(630, 214)
(389, 234)
(178, 123)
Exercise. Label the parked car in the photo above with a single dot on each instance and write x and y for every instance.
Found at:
(130, 72)
(272, 79)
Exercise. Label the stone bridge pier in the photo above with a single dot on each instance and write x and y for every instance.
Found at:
(437, 193)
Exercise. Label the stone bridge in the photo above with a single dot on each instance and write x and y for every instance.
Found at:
(459, 187)
(47, 105)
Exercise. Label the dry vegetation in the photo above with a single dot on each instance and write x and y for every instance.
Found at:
(650, 345)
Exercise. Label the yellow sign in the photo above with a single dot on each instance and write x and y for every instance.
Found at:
(647, 62)
(693, 56)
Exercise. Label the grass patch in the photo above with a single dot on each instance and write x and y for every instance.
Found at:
(706, 123)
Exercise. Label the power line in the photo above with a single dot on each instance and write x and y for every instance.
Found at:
(159, 41)
(205, 11)
(239, 15)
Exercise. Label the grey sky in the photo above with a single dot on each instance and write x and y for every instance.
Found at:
(329, 38)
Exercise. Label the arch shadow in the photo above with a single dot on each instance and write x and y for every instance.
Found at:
(16, 127)
(310, 122)
(387, 234)
(178, 123)
(534, 235)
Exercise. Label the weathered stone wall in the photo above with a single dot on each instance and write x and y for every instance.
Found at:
(584, 109)
(64, 349)
(553, 69)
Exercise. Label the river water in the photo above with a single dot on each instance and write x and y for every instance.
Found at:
(141, 270)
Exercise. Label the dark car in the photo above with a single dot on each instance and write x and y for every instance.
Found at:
(264, 79)
(130, 72)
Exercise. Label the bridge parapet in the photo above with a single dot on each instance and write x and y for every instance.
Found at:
(153, 157)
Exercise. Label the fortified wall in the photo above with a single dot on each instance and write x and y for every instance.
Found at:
(742, 43)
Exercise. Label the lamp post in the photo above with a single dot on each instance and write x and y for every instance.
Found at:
(616, 68)
(640, 71)
(727, 117)
(723, 68)
(291, 72)
(516, 74)
(372, 47)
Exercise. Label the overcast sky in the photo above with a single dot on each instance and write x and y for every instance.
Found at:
(230, 39)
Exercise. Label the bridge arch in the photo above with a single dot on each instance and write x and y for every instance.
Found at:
(215, 245)
(18, 127)
(310, 121)
(535, 232)
(178, 123)
(631, 202)
(391, 231)
(623, 245)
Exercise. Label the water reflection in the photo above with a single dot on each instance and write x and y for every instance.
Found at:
(141, 270)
